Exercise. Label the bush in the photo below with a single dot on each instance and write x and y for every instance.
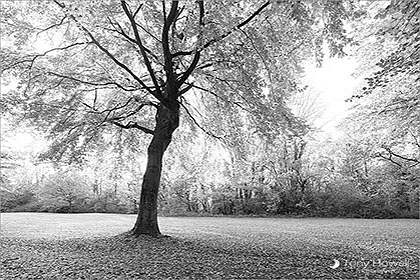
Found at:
(10, 201)
(33, 206)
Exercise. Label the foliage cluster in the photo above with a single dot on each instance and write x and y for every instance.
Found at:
(65, 192)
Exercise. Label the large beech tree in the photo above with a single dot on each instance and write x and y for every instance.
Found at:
(85, 67)
(387, 103)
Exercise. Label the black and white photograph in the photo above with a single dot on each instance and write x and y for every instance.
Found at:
(209, 139)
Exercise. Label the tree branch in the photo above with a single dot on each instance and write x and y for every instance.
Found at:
(130, 125)
(196, 57)
(401, 157)
(390, 159)
(35, 56)
(94, 83)
(221, 98)
(52, 26)
(221, 37)
(137, 10)
(168, 20)
(149, 33)
(140, 44)
(117, 107)
(184, 90)
(198, 125)
(156, 93)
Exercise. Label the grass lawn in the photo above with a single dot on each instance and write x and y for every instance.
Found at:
(94, 246)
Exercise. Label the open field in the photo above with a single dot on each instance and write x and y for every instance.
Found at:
(93, 246)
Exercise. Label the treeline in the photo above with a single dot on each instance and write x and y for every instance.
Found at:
(344, 201)
(66, 192)
(334, 201)
(322, 180)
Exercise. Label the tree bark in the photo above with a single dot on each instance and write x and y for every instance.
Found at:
(167, 121)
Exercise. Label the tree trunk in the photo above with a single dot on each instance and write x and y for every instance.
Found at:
(167, 121)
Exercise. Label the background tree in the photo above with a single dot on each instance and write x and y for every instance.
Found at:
(65, 191)
(386, 111)
(387, 102)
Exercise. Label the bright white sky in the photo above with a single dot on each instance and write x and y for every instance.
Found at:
(335, 83)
